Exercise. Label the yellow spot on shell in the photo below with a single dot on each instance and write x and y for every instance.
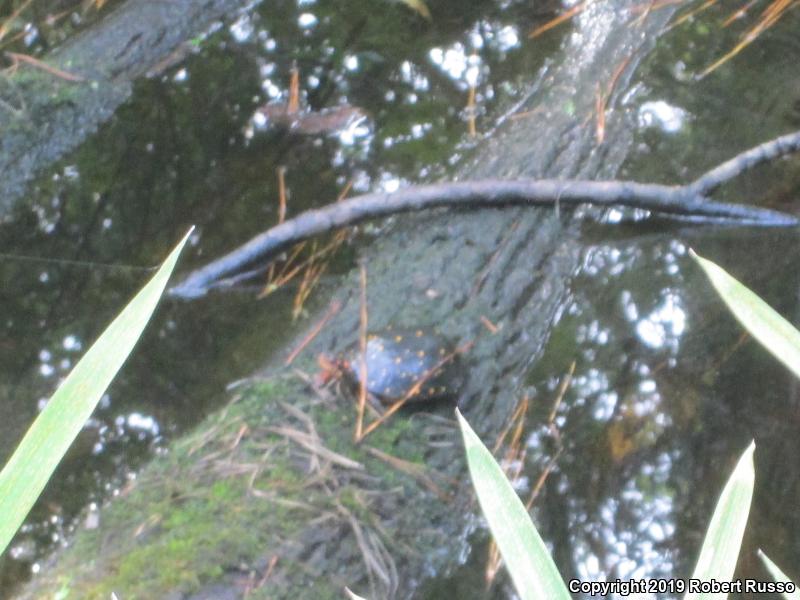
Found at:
(398, 360)
(421, 353)
(398, 338)
(419, 333)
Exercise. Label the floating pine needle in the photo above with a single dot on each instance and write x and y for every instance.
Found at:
(281, 194)
(313, 266)
(270, 567)
(638, 21)
(470, 110)
(6, 26)
(520, 410)
(17, 58)
(281, 172)
(602, 98)
(416, 471)
(651, 6)
(695, 11)
(294, 91)
(600, 110)
(516, 456)
(489, 325)
(575, 10)
(334, 308)
(739, 13)
(512, 465)
(769, 17)
(311, 275)
(362, 345)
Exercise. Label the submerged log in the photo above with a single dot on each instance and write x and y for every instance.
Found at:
(270, 498)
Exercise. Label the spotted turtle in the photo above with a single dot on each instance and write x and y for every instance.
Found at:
(398, 359)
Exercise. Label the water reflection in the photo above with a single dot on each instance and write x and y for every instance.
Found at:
(664, 398)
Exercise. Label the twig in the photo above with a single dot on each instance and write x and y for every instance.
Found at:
(687, 201)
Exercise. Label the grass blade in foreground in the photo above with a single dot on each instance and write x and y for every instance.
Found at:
(534, 574)
(724, 536)
(778, 575)
(774, 332)
(50, 435)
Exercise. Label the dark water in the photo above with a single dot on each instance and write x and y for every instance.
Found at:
(666, 393)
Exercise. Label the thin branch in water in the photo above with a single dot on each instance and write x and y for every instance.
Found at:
(711, 180)
(687, 202)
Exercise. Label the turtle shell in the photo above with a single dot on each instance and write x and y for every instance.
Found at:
(397, 359)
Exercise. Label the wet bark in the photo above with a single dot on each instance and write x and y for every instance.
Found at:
(43, 116)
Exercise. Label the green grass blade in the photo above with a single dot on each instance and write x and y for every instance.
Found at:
(724, 536)
(534, 573)
(779, 576)
(774, 332)
(47, 440)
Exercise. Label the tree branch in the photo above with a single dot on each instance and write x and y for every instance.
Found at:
(711, 180)
(688, 202)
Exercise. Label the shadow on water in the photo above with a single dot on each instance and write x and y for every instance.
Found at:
(666, 391)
